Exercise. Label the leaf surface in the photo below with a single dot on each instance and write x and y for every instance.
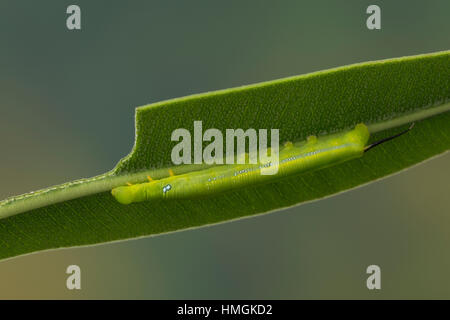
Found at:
(386, 95)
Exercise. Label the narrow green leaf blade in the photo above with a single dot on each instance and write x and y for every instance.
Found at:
(384, 94)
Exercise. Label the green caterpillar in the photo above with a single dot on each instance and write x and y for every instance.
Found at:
(312, 154)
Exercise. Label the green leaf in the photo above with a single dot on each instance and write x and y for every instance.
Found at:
(386, 95)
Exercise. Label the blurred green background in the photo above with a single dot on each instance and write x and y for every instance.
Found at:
(67, 102)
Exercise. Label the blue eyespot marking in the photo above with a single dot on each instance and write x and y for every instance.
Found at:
(167, 188)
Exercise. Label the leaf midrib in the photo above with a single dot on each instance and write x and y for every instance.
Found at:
(85, 187)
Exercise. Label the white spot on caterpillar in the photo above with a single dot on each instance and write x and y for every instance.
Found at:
(167, 188)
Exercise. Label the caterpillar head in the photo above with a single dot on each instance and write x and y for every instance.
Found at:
(124, 194)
